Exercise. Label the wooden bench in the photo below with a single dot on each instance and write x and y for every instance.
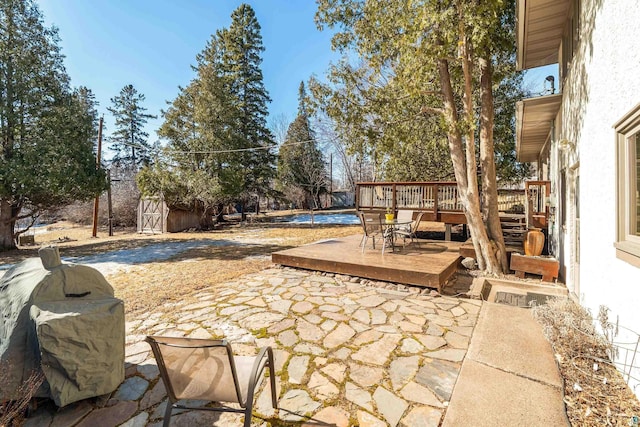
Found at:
(546, 267)
(467, 251)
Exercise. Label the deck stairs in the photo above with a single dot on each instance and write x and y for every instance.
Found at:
(514, 229)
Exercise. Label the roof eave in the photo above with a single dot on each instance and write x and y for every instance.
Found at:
(534, 119)
(540, 24)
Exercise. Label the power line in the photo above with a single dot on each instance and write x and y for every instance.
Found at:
(237, 150)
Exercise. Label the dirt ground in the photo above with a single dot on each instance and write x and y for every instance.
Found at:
(595, 393)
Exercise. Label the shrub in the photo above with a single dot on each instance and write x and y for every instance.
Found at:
(12, 412)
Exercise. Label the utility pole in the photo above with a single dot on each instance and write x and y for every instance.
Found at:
(97, 201)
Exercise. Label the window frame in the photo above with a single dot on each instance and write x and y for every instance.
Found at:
(627, 244)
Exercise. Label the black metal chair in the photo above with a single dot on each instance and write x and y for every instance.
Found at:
(372, 227)
(206, 369)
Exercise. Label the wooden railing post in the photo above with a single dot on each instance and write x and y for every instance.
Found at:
(436, 200)
(455, 199)
(393, 197)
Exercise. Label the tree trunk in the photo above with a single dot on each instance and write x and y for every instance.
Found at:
(219, 213)
(206, 219)
(465, 176)
(243, 215)
(316, 200)
(488, 163)
(6, 226)
(473, 205)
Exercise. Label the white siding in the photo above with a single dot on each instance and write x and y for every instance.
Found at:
(602, 85)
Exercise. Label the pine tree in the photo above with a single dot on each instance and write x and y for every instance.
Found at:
(47, 130)
(216, 133)
(199, 128)
(129, 140)
(300, 162)
(240, 65)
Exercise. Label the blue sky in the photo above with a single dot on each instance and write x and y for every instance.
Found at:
(152, 44)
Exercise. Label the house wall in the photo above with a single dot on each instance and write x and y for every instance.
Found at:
(601, 86)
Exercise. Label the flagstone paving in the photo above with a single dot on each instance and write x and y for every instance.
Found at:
(347, 353)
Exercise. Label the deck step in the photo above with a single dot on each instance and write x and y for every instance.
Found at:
(426, 263)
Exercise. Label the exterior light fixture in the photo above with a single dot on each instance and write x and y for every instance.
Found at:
(565, 145)
(551, 80)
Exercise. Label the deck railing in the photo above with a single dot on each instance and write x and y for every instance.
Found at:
(408, 195)
(515, 200)
(438, 197)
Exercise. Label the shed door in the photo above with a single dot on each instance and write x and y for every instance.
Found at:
(152, 215)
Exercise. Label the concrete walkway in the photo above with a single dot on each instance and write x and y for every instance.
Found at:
(509, 376)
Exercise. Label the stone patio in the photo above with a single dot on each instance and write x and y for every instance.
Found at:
(347, 353)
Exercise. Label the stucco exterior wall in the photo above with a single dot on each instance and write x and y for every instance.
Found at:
(602, 85)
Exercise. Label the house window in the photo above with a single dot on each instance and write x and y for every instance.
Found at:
(636, 212)
(628, 192)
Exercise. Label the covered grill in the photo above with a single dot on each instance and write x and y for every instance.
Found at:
(62, 320)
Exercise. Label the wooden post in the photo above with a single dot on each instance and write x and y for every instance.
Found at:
(436, 199)
(96, 203)
(393, 197)
(109, 203)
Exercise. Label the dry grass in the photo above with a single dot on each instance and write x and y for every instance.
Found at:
(148, 285)
(595, 392)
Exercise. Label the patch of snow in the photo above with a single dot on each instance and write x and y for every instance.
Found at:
(258, 257)
(255, 241)
(124, 259)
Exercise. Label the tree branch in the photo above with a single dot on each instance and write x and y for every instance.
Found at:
(431, 110)
(431, 92)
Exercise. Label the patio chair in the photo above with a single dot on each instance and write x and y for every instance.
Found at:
(404, 215)
(371, 226)
(206, 369)
(410, 230)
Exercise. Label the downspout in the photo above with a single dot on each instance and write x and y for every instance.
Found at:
(553, 202)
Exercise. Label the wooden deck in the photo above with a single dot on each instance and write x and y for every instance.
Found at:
(428, 263)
